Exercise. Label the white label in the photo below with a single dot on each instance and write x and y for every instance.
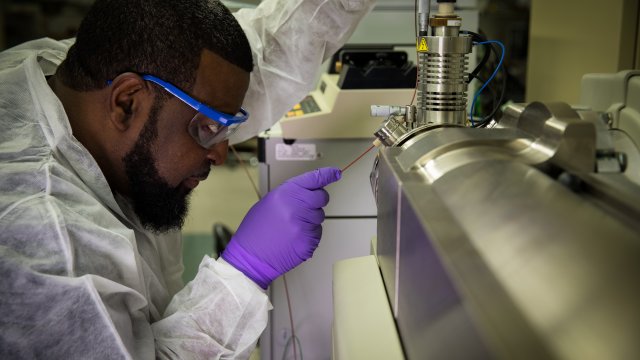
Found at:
(454, 23)
(296, 152)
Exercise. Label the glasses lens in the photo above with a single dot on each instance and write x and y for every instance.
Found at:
(208, 132)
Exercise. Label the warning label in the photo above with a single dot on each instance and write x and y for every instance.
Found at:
(422, 45)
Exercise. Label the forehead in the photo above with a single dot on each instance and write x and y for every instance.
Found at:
(220, 83)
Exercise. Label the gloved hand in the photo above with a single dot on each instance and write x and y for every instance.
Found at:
(283, 229)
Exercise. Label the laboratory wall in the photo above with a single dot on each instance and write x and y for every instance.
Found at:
(570, 38)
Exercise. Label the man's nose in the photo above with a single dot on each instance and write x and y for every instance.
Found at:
(217, 154)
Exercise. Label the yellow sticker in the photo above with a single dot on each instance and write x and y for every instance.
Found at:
(423, 45)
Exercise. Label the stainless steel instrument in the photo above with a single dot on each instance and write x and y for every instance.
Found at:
(521, 241)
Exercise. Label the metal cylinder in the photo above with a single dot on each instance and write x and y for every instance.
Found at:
(387, 110)
(442, 58)
(442, 85)
(423, 15)
(391, 130)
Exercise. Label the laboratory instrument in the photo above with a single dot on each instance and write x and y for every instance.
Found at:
(519, 238)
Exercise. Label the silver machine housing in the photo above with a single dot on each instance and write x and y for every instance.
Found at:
(508, 243)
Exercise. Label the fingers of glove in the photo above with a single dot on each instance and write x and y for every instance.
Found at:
(305, 246)
(309, 217)
(312, 199)
(317, 178)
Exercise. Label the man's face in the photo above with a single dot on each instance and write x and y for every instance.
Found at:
(166, 163)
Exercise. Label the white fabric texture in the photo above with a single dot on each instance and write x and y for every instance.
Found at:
(290, 40)
(79, 277)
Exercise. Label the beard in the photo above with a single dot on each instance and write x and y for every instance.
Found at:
(159, 206)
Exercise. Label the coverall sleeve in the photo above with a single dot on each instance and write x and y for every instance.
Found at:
(290, 39)
(218, 315)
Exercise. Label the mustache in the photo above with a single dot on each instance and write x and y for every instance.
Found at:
(203, 173)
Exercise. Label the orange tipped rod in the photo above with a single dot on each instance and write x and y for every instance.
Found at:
(375, 143)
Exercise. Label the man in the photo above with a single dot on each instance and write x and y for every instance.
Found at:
(99, 152)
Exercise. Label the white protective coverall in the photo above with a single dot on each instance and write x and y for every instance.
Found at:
(79, 277)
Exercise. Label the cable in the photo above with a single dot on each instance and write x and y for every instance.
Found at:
(246, 170)
(487, 119)
(475, 37)
(475, 97)
(293, 334)
(494, 98)
(284, 277)
(505, 75)
(286, 346)
(489, 48)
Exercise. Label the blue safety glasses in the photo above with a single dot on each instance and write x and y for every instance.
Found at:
(209, 126)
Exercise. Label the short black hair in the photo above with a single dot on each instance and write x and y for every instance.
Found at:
(160, 37)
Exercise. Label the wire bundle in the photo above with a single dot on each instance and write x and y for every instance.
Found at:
(491, 47)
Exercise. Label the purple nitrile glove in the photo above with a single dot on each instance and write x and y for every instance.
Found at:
(283, 229)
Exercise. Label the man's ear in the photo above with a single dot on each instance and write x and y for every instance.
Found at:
(128, 96)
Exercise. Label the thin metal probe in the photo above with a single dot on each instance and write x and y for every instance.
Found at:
(375, 144)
